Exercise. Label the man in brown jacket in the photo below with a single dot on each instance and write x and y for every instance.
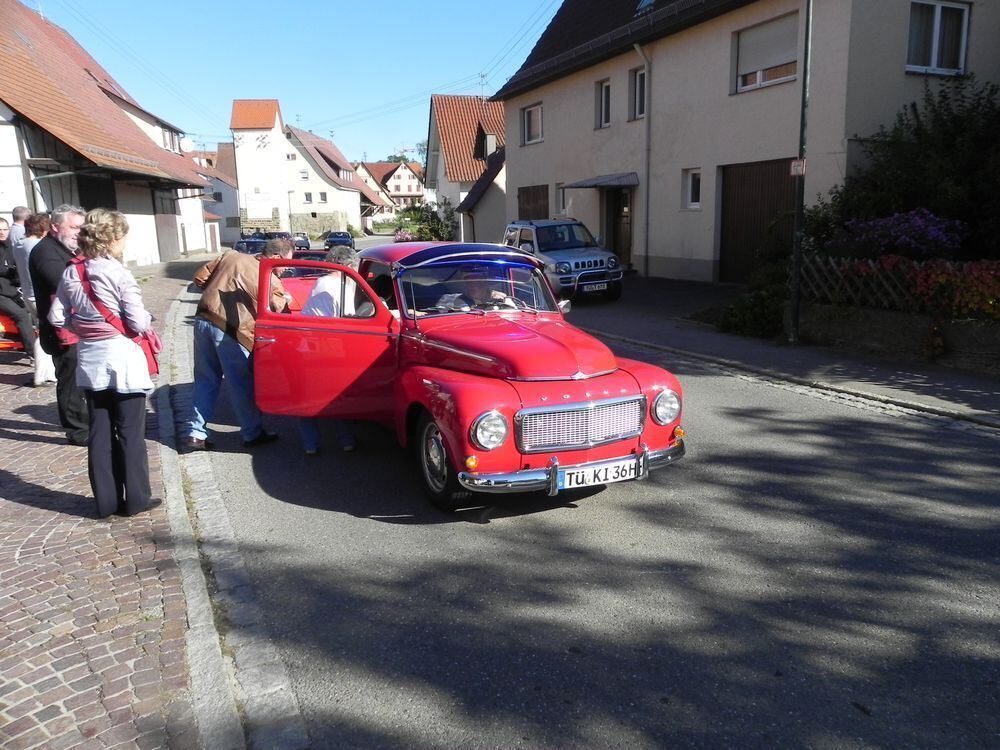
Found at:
(223, 342)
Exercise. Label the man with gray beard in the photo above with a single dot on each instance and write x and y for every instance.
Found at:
(46, 264)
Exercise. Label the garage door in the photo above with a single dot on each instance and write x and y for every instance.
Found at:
(758, 208)
(533, 202)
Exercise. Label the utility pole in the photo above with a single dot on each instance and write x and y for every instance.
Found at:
(800, 186)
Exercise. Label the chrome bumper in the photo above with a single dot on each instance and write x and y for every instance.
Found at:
(538, 480)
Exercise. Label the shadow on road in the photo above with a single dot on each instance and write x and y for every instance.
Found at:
(843, 594)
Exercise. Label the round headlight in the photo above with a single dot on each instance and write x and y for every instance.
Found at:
(613, 261)
(666, 407)
(563, 267)
(489, 430)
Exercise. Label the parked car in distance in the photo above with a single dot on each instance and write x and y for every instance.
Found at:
(249, 246)
(464, 352)
(338, 238)
(301, 241)
(574, 262)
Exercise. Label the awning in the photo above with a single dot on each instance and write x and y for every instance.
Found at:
(621, 179)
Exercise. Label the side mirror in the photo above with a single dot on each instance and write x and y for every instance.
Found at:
(527, 247)
(565, 306)
(599, 241)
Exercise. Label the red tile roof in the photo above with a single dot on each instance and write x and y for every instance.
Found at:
(459, 119)
(54, 83)
(254, 114)
(330, 160)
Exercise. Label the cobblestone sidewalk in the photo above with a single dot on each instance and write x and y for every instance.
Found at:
(92, 612)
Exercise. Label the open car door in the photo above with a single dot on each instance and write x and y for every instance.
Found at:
(332, 353)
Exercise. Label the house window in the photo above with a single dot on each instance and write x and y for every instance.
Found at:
(307, 197)
(767, 54)
(531, 124)
(290, 157)
(303, 174)
(691, 188)
(637, 93)
(322, 197)
(938, 33)
(602, 104)
(561, 197)
(396, 188)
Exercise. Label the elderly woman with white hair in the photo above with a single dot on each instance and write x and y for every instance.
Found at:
(333, 296)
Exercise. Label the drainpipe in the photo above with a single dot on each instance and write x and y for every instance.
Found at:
(648, 116)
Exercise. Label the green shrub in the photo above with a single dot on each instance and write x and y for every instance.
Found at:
(757, 313)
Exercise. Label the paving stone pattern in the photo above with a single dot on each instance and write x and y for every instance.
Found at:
(92, 612)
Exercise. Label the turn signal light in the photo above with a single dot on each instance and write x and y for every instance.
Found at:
(679, 432)
(471, 463)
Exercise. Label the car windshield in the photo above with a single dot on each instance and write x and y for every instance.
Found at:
(563, 237)
(449, 288)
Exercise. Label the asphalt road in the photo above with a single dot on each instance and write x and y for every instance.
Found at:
(817, 572)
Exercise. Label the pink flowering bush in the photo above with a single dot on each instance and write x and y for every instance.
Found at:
(403, 236)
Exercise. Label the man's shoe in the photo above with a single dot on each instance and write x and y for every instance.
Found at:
(78, 439)
(191, 444)
(263, 438)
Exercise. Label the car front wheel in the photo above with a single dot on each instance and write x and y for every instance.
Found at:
(440, 481)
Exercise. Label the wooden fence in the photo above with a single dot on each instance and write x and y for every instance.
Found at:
(864, 283)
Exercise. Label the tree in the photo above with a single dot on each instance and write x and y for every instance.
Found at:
(396, 157)
(941, 157)
(422, 149)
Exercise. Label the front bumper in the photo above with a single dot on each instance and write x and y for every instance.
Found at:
(538, 480)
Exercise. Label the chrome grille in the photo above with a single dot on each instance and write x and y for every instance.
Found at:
(593, 263)
(579, 425)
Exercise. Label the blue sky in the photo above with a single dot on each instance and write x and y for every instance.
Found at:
(364, 70)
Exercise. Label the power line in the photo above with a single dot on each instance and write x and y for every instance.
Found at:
(129, 53)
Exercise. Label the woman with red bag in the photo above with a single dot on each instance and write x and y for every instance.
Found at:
(99, 300)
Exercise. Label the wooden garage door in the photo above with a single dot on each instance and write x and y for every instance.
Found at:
(758, 205)
(533, 202)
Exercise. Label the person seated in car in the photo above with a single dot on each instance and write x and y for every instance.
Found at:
(477, 293)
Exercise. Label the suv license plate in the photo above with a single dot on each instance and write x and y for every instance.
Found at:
(595, 287)
(587, 476)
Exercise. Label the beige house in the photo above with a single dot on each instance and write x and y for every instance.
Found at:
(291, 179)
(670, 127)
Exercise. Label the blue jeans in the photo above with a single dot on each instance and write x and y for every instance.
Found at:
(309, 431)
(217, 355)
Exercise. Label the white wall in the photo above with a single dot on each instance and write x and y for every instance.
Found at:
(490, 214)
(137, 205)
(11, 175)
(192, 219)
(263, 182)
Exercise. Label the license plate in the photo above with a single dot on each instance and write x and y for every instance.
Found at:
(607, 473)
(595, 287)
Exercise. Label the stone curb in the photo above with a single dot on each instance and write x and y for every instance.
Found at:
(260, 684)
(817, 384)
(214, 707)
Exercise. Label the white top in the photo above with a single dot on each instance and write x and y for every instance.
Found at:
(324, 299)
(107, 360)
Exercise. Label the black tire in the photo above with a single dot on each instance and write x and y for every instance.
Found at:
(440, 480)
(614, 291)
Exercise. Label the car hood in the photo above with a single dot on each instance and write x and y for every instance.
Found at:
(519, 346)
(574, 253)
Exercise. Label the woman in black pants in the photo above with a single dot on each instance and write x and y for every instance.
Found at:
(111, 369)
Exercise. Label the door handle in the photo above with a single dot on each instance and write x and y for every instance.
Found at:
(264, 339)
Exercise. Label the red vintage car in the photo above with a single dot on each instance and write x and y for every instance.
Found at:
(10, 337)
(463, 350)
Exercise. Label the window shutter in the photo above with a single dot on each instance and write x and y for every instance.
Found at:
(770, 44)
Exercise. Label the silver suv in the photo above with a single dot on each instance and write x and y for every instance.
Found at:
(574, 263)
